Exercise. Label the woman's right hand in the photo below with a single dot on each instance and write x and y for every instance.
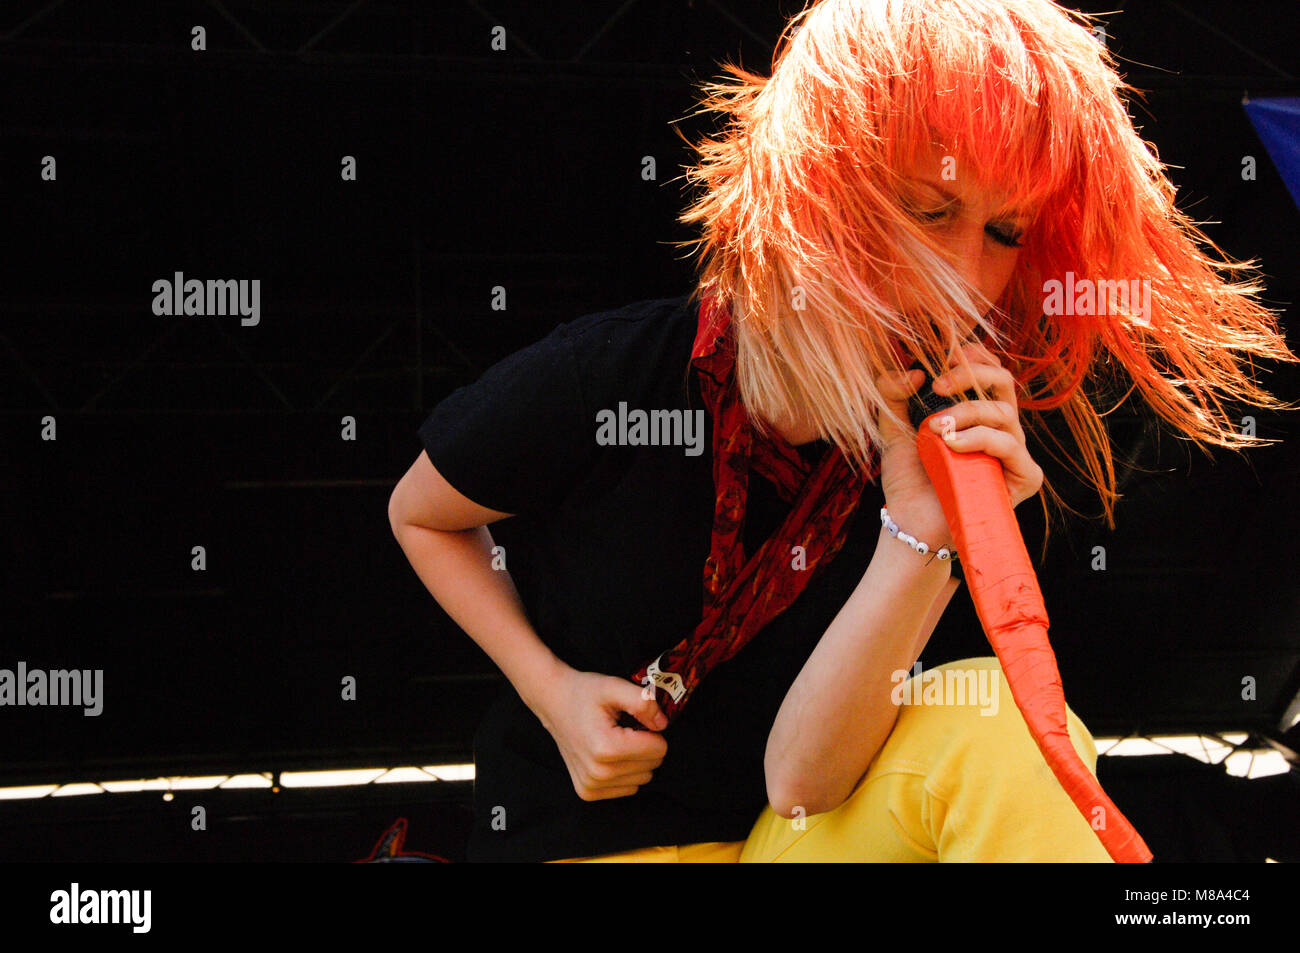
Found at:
(581, 711)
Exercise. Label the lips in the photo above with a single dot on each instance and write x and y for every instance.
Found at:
(974, 334)
(900, 350)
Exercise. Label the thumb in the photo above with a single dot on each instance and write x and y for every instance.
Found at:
(638, 702)
(897, 390)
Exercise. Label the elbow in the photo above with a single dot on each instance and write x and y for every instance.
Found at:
(396, 519)
(794, 800)
(794, 790)
(783, 806)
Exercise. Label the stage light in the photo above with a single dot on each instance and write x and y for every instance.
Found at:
(405, 775)
(328, 779)
(77, 790)
(31, 791)
(247, 781)
(1211, 749)
(409, 774)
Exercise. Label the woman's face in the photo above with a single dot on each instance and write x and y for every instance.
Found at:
(975, 228)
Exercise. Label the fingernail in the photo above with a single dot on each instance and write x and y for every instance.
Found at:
(951, 436)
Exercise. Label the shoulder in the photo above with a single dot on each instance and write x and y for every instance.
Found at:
(642, 329)
(520, 437)
(637, 318)
(635, 344)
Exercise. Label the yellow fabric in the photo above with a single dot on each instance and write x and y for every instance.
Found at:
(951, 783)
(714, 852)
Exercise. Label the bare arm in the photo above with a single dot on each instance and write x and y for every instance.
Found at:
(446, 539)
(838, 713)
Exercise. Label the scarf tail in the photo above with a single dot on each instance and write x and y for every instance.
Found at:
(741, 597)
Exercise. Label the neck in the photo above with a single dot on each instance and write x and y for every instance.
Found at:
(795, 432)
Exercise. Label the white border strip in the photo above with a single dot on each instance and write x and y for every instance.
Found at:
(1242, 763)
(288, 779)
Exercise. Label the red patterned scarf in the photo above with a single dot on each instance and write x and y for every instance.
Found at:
(742, 596)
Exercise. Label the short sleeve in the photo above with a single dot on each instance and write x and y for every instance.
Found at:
(518, 438)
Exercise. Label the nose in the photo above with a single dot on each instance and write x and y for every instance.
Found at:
(966, 250)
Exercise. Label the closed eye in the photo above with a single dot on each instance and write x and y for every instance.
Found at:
(1008, 236)
(933, 215)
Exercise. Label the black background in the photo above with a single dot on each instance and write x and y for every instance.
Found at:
(476, 169)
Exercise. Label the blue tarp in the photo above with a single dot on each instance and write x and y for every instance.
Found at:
(1277, 123)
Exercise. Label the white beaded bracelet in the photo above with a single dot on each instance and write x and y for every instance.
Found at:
(944, 554)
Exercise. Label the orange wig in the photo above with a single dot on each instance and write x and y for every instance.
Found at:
(803, 227)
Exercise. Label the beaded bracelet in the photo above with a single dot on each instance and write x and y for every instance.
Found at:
(893, 529)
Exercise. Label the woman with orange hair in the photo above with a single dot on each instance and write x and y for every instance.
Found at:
(949, 183)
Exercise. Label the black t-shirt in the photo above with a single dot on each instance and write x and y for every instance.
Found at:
(619, 536)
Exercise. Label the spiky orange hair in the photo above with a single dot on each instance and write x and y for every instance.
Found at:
(802, 227)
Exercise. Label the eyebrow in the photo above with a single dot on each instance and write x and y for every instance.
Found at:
(952, 197)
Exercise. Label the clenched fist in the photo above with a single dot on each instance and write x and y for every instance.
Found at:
(581, 713)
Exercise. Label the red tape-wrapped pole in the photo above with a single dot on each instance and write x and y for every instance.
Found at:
(1004, 589)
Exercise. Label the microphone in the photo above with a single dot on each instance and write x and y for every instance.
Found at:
(1004, 589)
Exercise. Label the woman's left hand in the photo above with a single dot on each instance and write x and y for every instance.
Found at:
(991, 426)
